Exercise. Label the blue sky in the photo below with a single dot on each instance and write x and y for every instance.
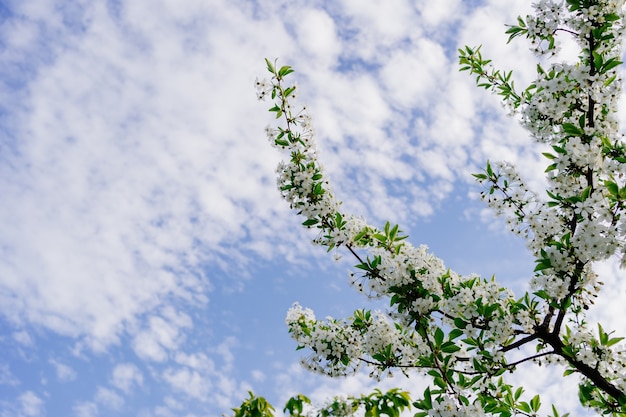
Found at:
(146, 259)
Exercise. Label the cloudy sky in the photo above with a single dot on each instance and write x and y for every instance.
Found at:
(146, 259)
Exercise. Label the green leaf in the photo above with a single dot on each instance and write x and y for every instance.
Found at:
(611, 17)
(438, 337)
(440, 383)
(310, 222)
(393, 232)
(454, 333)
(363, 266)
(604, 337)
(270, 67)
(288, 91)
(524, 407)
(295, 405)
(597, 60)
(460, 323)
(610, 64)
(572, 130)
(515, 31)
(449, 347)
(614, 340)
(379, 237)
(542, 294)
(584, 393)
(542, 264)
(612, 188)
(489, 170)
(551, 167)
(284, 70)
(535, 403)
(610, 80)
(574, 5)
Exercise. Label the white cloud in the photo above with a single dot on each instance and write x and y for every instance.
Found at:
(440, 13)
(30, 405)
(85, 409)
(198, 361)
(411, 75)
(109, 398)
(23, 338)
(258, 375)
(204, 379)
(126, 376)
(224, 349)
(26, 404)
(316, 35)
(6, 376)
(188, 381)
(377, 24)
(170, 408)
(162, 335)
(127, 180)
(64, 372)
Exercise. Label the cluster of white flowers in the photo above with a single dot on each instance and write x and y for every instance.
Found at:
(513, 199)
(499, 324)
(603, 353)
(263, 88)
(335, 344)
(613, 365)
(543, 25)
(301, 180)
(557, 89)
(448, 406)
(409, 266)
(594, 241)
(381, 334)
(570, 108)
(596, 12)
(344, 235)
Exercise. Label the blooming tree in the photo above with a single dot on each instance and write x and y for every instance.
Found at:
(461, 331)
